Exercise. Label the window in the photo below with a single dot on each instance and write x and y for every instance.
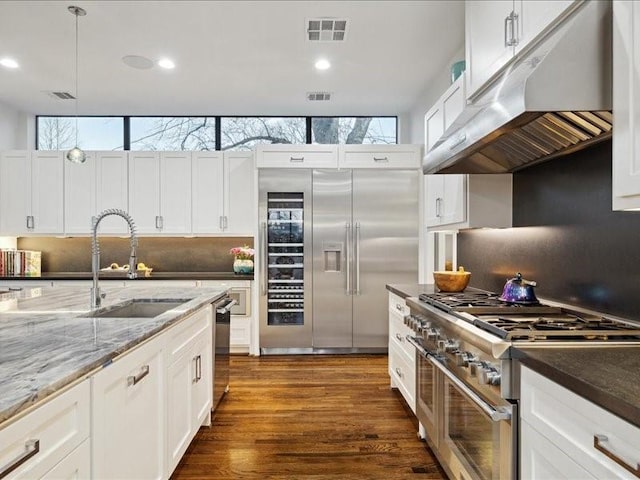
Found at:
(173, 133)
(207, 133)
(242, 133)
(94, 133)
(354, 130)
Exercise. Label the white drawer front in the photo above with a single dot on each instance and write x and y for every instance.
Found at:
(75, 466)
(404, 376)
(398, 332)
(184, 333)
(286, 158)
(572, 422)
(398, 305)
(59, 426)
(379, 160)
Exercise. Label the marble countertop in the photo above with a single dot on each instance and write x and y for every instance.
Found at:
(121, 275)
(47, 341)
(606, 376)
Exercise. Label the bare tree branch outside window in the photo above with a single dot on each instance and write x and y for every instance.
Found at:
(56, 133)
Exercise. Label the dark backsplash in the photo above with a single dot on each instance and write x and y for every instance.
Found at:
(163, 254)
(565, 237)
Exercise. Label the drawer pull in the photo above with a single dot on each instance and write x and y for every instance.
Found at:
(381, 159)
(598, 441)
(399, 337)
(198, 363)
(399, 372)
(133, 379)
(296, 159)
(31, 448)
(399, 307)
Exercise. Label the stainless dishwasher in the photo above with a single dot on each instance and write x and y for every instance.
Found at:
(222, 310)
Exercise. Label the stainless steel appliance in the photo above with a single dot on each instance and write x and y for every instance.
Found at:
(221, 330)
(330, 240)
(553, 99)
(468, 382)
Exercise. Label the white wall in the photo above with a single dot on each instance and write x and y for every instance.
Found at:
(9, 127)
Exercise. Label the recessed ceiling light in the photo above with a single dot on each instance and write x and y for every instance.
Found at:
(9, 63)
(323, 64)
(137, 61)
(166, 63)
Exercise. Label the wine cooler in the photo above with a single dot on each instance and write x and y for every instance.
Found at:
(285, 254)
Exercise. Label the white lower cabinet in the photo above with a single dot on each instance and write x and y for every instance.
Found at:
(578, 435)
(189, 383)
(402, 355)
(541, 459)
(76, 465)
(128, 415)
(45, 441)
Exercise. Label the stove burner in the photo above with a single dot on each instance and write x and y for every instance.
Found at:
(480, 303)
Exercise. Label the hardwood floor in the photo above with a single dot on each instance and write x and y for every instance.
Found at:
(310, 417)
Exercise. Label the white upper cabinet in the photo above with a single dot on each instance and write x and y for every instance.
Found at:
(31, 192)
(467, 201)
(95, 185)
(444, 112)
(626, 105)
(223, 193)
(159, 191)
(239, 195)
(207, 192)
(497, 30)
(296, 156)
(80, 195)
(379, 156)
(112, 189)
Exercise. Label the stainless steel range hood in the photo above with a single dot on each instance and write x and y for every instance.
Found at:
(552, 100)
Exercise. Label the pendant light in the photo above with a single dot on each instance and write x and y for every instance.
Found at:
(76, 155)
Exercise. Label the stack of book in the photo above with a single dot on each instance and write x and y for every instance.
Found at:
(20, 263)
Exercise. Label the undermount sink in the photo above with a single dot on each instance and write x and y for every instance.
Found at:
(138, 308)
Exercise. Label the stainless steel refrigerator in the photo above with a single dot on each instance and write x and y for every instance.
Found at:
(330, 241)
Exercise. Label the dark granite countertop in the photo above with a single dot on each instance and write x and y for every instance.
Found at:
(606, 376)
(121, 275)
(406, 290)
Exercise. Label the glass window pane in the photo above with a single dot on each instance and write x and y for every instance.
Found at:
(94, 133)
(173, 133)
(242, 133)
(354, 130)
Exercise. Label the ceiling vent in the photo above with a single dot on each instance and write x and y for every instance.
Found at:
(61, 95)
(326, 30)
(319, 96)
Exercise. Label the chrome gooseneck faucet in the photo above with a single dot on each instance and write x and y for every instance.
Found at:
(96, 297)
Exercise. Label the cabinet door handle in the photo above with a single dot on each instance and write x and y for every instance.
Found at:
(515, 25)
(598, 441)
(296, 159)
(31, 448)
(381, 159)
(226, 222)
(399, 337)
(133, 379)
(159, 221)
(30, 221)
(198, 369)
(506, 36)
(438, 207)
(399, 372)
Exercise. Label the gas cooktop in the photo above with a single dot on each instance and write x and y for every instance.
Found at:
(529, 322)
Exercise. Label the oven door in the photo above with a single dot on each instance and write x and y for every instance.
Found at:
(427, 390)
(478, 439)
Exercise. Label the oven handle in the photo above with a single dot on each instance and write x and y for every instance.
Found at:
(496, 414)
(421, 350)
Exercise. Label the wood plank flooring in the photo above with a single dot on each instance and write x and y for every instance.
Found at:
(310, 417)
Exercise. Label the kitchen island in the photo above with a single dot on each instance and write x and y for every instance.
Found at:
(48, 342)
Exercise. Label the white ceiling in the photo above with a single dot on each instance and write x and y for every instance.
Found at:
(232, 57)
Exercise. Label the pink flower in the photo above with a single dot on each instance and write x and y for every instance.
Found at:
(242, 253)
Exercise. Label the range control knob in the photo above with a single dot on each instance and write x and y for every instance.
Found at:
(489, 376)
(474, 367)
(463, 358)
(447, 345)
(432, 334)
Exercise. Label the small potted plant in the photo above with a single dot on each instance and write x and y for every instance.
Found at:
(243, 259)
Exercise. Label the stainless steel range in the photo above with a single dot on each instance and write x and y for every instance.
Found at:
(468, 383)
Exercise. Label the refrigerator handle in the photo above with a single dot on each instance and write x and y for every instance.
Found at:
(264, 259)
(357, 249)
(347, 228)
